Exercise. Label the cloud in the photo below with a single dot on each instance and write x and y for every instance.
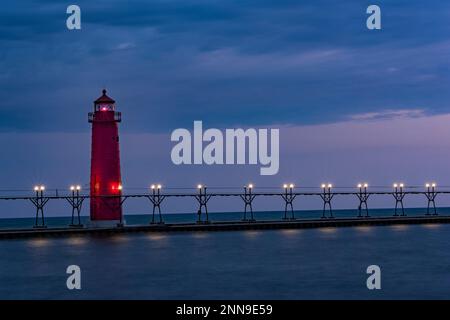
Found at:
(228, 61)
(168, 63)
(420, 130)
(388, 114)
(125, 46)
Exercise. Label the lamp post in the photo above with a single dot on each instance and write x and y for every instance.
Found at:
(431, 196)
(327, 196)
(122, 199)
(202, 199)
(156, 198)
(362, 196)
(398, 194)
(248, 198)
(39, 202)
(76, 202)
(288, 198)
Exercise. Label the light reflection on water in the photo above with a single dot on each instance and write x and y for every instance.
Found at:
(290, 232)
(252, 234)
(39, 242)
(120, 238)
(400, 227)
(364, 229)
(157, 236)
(328, 230)
(200, 234)
(432, 226)
(77, 240)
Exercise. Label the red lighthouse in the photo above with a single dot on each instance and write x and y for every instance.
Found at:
(105, 162)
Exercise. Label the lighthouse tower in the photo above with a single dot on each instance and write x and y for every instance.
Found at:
(106, 182)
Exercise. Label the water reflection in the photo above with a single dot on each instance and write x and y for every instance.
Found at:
(290, 232)
(120, 238)
(157, 237)
(364, 229)
(76, 241)
(328, 230)
(400, 227)
(200, 235)
(39, 242)
(252, 234)
(432, 226)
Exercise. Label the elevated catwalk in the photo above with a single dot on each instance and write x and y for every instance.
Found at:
(226, 226)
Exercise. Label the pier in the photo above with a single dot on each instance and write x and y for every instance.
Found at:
(224, 226)
(203, 197)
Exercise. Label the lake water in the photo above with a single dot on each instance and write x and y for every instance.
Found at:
(325, 263)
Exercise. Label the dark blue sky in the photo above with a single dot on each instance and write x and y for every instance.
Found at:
(352, 104)
(227, 62)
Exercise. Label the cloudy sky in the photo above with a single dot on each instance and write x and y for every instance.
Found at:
(351, 104)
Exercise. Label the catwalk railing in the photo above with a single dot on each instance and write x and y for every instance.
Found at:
(202, 197)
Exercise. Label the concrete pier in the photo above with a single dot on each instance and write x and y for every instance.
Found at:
(225, 226)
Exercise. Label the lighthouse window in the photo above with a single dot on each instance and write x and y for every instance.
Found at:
(104, 108)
